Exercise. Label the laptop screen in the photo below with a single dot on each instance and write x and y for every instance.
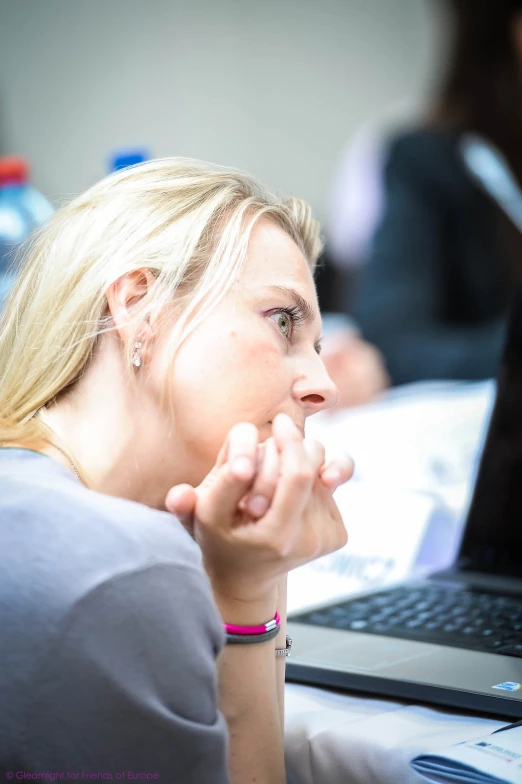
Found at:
(493, 536)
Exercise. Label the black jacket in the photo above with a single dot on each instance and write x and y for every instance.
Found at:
(436, 288)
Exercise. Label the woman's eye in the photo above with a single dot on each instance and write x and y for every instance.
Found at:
(284, 323)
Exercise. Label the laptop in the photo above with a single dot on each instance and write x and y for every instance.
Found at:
(453, 638)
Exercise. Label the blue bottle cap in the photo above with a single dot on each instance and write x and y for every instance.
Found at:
(124, 158)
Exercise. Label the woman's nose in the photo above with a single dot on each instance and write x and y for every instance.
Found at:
(316, 390)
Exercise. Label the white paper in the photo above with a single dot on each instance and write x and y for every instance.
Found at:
(421, 437)
(492, 759)
(415, 453)
(385, 531)
(336, 737)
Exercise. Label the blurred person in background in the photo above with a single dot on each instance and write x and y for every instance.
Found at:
(169, 362)
(445, 259)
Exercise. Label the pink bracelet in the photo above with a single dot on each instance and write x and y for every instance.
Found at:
(263, 628)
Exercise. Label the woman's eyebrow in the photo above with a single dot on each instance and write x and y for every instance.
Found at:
(308, 312)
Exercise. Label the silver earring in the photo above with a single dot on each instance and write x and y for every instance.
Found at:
(136, 359)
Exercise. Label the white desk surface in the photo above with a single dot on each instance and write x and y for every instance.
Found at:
(335, 738)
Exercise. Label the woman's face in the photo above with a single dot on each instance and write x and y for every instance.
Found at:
(254, 356)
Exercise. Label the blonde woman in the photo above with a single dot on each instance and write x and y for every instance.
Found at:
(159, 352)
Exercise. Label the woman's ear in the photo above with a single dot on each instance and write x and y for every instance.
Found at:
(123, 298)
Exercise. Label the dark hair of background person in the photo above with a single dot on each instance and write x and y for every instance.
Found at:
(481, 89)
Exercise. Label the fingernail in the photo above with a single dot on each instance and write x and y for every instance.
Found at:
(283, 420)
(242, 467)
(258, 505)
(332, 475)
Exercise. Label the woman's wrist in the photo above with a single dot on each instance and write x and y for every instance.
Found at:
(250, 612)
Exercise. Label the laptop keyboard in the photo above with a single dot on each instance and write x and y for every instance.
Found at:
(460, 618)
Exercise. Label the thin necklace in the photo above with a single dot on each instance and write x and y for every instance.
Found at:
(70, 459)
(65, 452)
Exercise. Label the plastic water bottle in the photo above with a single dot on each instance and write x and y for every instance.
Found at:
(22, 209)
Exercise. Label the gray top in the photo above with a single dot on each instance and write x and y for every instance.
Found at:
(108, 634)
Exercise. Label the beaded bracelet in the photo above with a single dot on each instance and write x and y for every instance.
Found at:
(285, 651)
(246, 635)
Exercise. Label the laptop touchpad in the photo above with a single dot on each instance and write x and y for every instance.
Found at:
(366, 654)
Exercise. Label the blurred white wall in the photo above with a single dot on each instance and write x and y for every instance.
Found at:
(276, 87)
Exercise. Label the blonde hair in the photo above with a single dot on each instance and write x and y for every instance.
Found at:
(186, 221)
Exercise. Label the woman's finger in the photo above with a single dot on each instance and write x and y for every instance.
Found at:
(260, 496)
(337, 471)
(297, 473)
(240, 449)
(221, 491)
(181, 501)
(315, 451)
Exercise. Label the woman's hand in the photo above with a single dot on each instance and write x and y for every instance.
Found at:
(246, 548)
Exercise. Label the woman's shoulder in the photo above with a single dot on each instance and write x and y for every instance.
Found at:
(63, 533)
(105, 610)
